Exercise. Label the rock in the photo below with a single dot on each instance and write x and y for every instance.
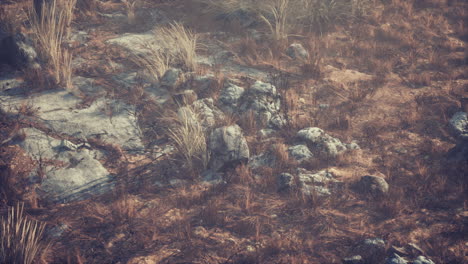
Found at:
(315, 190)
(372, 250)
(245, 17)
(111, 121)
(285, 181)
(172, 78)
(353, 260)
(300, 152)
(395, 259)
(208, 113)
(297, 51)
(422, 260)
(415, 249)
(17, 51)
(263, 100)
(266, 132)
(373, 185)
(229, 97)
(315, 183)
(459, 124)
(77, 175)
(320, 142)
(228, 147)
(87, 86)
(210, 177)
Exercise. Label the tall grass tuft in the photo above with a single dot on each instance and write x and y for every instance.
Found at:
(20, 237)
(277, 19)
(51, 29)
(190, 139)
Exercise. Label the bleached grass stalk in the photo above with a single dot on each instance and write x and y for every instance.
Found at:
(130, 6)
(277, 19)
(190, 139)
(50, 31)
(181, 43)
(20, 237)
(154, 61)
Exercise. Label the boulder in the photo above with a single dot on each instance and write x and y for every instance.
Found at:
(263, 100)
(229, 97)
(353, 260)
(77, 175)
(459, 124)
(300, 153)
(373, 185)
(395, 259)
(321, 143)
(372, 250)
(297, 51)
(228, 147)
(422, 260)
(17, 51)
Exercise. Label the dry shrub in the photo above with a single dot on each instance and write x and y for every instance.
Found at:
(51, 30)
(20, 237)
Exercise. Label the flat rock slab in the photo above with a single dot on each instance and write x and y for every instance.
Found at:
(111, 121)
(75, 175)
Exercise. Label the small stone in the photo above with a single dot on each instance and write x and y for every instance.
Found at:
(395, 259)
(373, 185)
(353, 260)
(422, 260)
(300, 152)
(285, 181)
(297, 51)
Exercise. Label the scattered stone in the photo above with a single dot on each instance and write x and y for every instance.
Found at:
(320, 142)
(395, 259)
(229, 97)
(266, 133)
(372, 250)
(422, 260)
(297, 51)
(374, 185)
(322, 177)
(211, 177)
(67, 145)
(459, 123)
(353, 260)
(228, 147)
(17, 51)
(300, 152)
(263, 100)
(208, 113)
(285, 181)
(172, 78)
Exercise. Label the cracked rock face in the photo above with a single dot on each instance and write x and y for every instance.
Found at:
(228, 147)
(321, 143)
(77, 174)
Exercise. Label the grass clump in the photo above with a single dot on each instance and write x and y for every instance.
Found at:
(20, 237)
(51, 29)
(189, 137)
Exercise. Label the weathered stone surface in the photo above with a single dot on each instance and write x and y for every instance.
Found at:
(459, 124)
(208, 113)
(297, 51)
(228, 147)
(17, 51)
(300, 152)
(422, 260)
(111, 121)
(285, 181)
(373, 185)
(263, 100)
(320, 142)
(372, 250)
(395, 259)
(353, 260)
(77, 175)
(229, 97)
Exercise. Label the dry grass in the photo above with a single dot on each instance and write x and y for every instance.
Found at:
(277, 19)
(130, 6)
(189, 136)
(155, 62)
(51, 29)
(20, 237)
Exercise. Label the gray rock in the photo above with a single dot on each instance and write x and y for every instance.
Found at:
(79, 175)
(300, 152)
(17, 51)
(372, 250)
(297, 51)
(266, 132)
(209, 114)
(459, 123)
(263, 99)
(228, 147)
(111, 121)
(319, 178)
(229, 97)
(210, 177)
(315, 190)
(320, 142)
(87, 86)
(422, 260)
(172, 78)
(353, 260)
(186, 97)
(395, 259)
(373, 185)
(285, 181)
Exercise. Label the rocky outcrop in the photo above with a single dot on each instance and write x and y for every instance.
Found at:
(228, 147)
(322, 144)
